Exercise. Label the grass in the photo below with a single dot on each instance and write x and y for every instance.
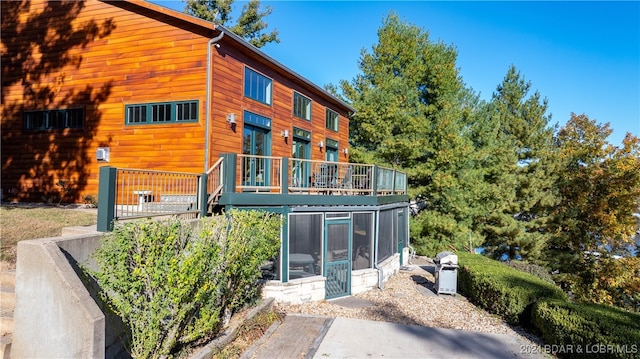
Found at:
(18, 223)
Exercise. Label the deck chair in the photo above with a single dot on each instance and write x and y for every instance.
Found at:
(346, 180)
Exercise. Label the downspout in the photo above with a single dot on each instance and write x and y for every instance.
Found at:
(208, 98)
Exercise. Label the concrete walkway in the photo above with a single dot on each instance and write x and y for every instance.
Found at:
(309, 337)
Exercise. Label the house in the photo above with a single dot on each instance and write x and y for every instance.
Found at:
(90, 88)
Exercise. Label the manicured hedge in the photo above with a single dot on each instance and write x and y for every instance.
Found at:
(587, 330)
(502, 290)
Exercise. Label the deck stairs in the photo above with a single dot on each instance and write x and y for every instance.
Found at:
(7, 304)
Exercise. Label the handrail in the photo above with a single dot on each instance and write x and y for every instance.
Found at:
(214, 180)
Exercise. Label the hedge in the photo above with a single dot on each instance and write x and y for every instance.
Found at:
(575, 330)
(502, 290)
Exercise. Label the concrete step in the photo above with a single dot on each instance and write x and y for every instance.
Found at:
(5, 346)
(7, 297)
(8, 277)
(6, 322)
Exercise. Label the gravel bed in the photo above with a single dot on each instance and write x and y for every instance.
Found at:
(408, 298)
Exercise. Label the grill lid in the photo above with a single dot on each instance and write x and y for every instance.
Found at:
(446, 258)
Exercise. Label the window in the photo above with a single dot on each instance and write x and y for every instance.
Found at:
(257, 86)
(54, 119)
(161, 112)
(301, 106)
(332, 150)
(332, 120)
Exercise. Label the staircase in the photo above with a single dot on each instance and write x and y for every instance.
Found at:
(7, 303)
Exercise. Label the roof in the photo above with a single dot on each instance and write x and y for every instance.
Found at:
(207, 26)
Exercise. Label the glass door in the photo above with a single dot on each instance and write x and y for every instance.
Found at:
(255, 143)
(300, 169)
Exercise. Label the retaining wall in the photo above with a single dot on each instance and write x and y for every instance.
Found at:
(55, 314)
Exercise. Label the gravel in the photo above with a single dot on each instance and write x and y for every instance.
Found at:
(409, 298)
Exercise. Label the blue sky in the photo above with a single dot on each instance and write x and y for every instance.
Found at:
(584, 57)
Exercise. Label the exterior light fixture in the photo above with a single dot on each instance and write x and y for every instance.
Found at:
(231, 118)
(285, 133)
(345, 151)
(320, 144)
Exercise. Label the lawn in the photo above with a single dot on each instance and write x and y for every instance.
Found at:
(21, 222)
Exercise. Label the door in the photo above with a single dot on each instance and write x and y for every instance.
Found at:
(337, 258)
(255, 170)
(300, 169)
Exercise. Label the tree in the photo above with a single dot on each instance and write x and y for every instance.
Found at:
(599, 185)
(414, 114)
(250, 24)
(519, 229)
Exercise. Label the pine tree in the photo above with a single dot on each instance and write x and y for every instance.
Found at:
(250, 24)
(519, 230)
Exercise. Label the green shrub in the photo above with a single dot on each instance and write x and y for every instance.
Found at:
(532, 268)
(173, 284)
(587, 330)
(500, 289)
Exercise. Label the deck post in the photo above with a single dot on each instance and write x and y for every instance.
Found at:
(374, 181)
(229, 175)
(284, 176)
(106, 198)
(203, 196)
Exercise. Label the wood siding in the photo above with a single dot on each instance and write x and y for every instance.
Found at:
(101, 57)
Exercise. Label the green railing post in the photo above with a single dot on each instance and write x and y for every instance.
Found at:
(374, 180)
(106, 198)
(203, 195)
(284, 176)
(229, 175)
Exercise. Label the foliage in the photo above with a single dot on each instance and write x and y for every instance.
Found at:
(173, 285)
(414, 114)
(500, 289)
(518, 229)
(532, 268)
(599, 185)
(589, 329)
(610, 281)
(250, 24)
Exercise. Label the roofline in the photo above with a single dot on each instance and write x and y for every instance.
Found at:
(208, 25)
(258, 52)
(212, 26)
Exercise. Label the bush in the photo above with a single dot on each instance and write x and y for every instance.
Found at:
(502, 290)
(534, 269)
(588, 330)
(174, 285)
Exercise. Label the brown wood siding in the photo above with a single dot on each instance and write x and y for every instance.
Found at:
(101, 57)
(228, 92)
(126, 58)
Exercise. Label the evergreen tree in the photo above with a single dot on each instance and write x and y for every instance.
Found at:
(414, 114)
(250, 24)
(519, 229)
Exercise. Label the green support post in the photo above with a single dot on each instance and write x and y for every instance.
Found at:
(106, 198)
(203, 195)
(374, 181)
(229, 175)
(284, 176)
